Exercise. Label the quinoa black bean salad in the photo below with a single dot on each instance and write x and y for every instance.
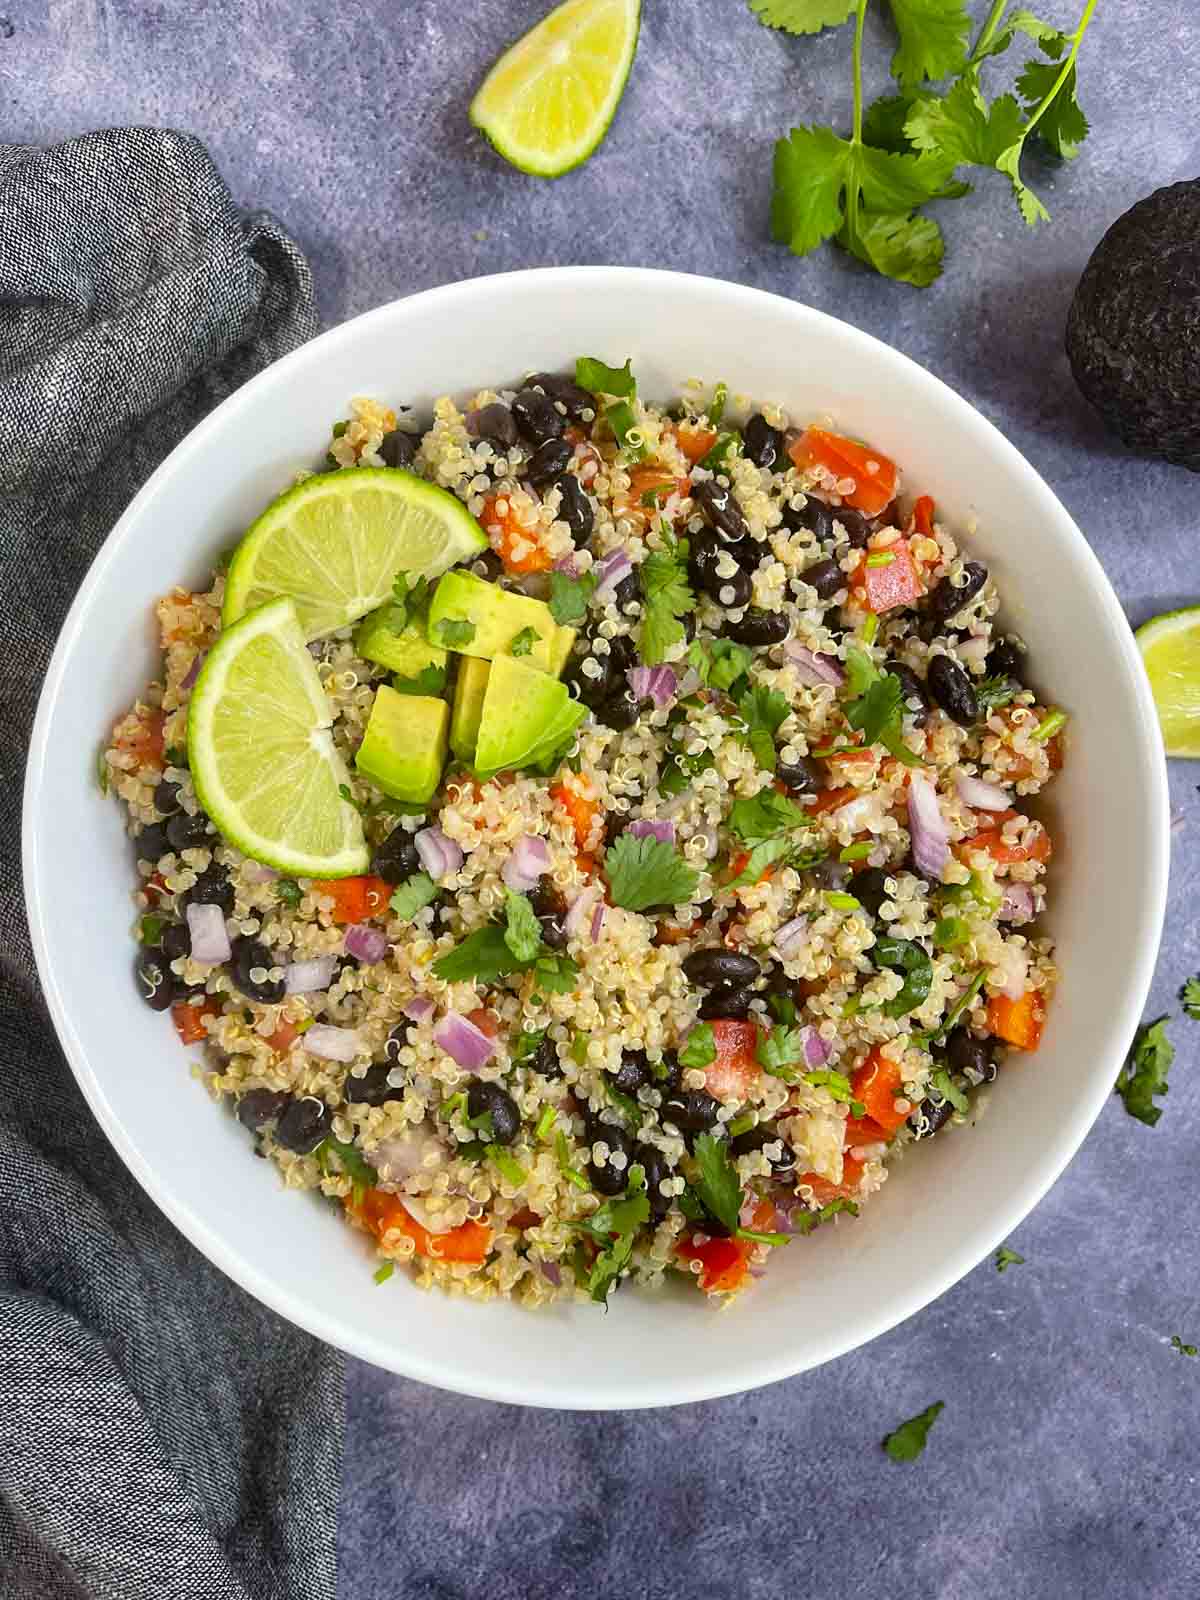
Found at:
(653, 866)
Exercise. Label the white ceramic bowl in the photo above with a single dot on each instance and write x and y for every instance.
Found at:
(944, 1209)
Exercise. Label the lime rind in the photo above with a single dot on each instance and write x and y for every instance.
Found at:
(508, 107)
(1170, 647)
(335, 542)
(262, 754)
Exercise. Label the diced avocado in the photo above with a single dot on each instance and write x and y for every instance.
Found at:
(468, 706)
(520, 707)
(494, 616)
(560, 650)
(406, 652)
(404, 748)
(557, 736)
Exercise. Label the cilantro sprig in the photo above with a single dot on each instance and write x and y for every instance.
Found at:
(717, 1185)
(647, 872)
(666, 597)
(1190, 996)
(568, 597)
(762, 711)
(485, 956)
(908, 1440)
(877, 708)
(1144, 1075)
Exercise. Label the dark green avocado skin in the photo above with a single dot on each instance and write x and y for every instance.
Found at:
(1133, 332)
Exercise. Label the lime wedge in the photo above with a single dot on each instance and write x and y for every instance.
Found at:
(335, 543)
(1170, 647)
(550, 98)
(261, 753)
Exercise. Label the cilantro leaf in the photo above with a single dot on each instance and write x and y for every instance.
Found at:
(1144, 1074)
(992, 693)
(779, 1050)
(647, 872)
(523, 935)
(906, 956)
(416, 892)
(764, 815)
(1006, 1258)
(760, 858)
(719, 662)
(666, 597)
(1016, 22)
(555, 973)
(946, 1089)
(523, 642)
(802, 16)
(1183, 1349)
(453, 632)
(569, 596)
(1062, 126)
(878, 709)
(962, 128)
(430, 681)
(350, 1161)
(701, 1047)
(907, 248)
(613, 1226)
(289, 891)
(908, 1440)
(933, 40)
(483, 955)
(598, 378)
(1190, 995)
(806, 1221)
(716, 1181)
(762, 710)
(525, 1045)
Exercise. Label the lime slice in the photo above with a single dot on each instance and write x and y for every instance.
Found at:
(1170, 647)
(549, 100)
(335, 543)
(261, 753)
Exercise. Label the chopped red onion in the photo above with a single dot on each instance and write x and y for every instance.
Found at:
(307, 977)
(1018, 904)
(366, 944)
(614, 567)
(598, 916)
(468, 1045)
(569, 565)
(439, 855)
(793, 936)
(930, 836)
(816, 1049)
(982, 796)
(858, 814)
(257, 873)
(404, 1153)
(580, 910)
(654, 683)
(206, 930)
(646, 828)
(330, 1043)
(812, 668)
(530, 858)
(418, 1009)
(551, 1271)
(193, 672)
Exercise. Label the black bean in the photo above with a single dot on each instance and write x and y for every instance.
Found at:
(633, 1073)
(930, 1117)
(488, 565)
(628, 592)
(755, 1138)
(304, 1124)
(185, 832)
(537, 417)
(826, 577)
(911, 686)
(622, 654)
(691, 1110)
(704, 550)
(657, 1169)
(549, 461)
(814, 515)
(952, 690)
(758, 627)
(257, 1107)
(608, 1179)
(166, 797)
(965, 1053)
(802, 776)
(575, 509)
(398, 448)
(395, 1042)
(718, 965)
(497, 425)
(856, 526)
(1006, 659)
(396, 859)
(491, 1099)
(211, 888)
(152, 843)
(726, 1000)
(947, 598)
(615, 824)
(248, 956)
(761, 443)
(554, 931)
(155, 980)
(870, 890)
(620, 710)
(593, 691)
(373, 1088)
(176, 941)
(829, 874)
(667, 1072)
(567, 392)
(721, 509)
(733, 594)
(544, 1060)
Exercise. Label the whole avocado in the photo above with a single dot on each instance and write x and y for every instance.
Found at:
(1133, 332)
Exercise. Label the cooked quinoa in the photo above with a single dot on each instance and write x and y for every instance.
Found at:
(840, 979)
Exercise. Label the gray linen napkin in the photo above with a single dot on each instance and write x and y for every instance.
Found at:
(161, 1434)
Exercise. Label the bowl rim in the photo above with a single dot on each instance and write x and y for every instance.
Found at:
(763, 1368)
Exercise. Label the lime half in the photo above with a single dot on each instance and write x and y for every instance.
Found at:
(550, 98)
(335, 543)
(261, 753)
(1170, 647)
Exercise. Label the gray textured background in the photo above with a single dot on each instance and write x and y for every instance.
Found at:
(1065, 1463)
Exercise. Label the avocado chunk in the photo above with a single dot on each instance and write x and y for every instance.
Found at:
(404, 748)
(477, 618)
(1133, 332)
(520, 707)
(406, 651)
(468, 706)
(557, 737)
(560, 650)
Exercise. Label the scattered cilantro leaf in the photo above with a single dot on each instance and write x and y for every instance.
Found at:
(992, 693)
(701, 1047)
(598, 378)
(524, 642)
(482, 955)
(783, 1009)
(1063, 126)
(412, 895)
(569, 596)
(430, 681)
(1183, 1349)
(962, 128)
(289, 891)
(523, 934)
(839, 1086)
(1006, 1258)
(806, 1221)
(933, 40)
(778, 1051)
(623, 420)
(647, 872)
(945, 1088)
(454, 632)
(1144, 1074)
(762, 710)
(908, 1440)
(525, 1045)
(555, 973)
(350, 1161)
(727, 445)
(802, 16)
(878, 708)
(613, 1227)
(716, 1181)
(760, 858)
(411, 599)
(666, 598)
(1190, 995)
(764, 815)
(906, 956)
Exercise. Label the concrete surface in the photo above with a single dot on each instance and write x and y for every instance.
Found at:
(1065, 1463)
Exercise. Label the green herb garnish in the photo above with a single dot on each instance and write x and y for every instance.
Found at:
(945, 1088)
(906, 956)
(622, 419)
(355, 1166)
(598, 378)
(1190, 996)
(454, 632)
(1006, 1258)
(614, 1227)
(413, 895)
(716, 1182)
(908, 1441)
(762, 711)
(806, 1221)
(384, 1272)
(957, 1011)
(569, 596)
(289, 891)
(523, 934)
(701, 1047)
(992, 693)
(877, 711)
(778, 1050)
(150, 929)
(430, 681)
(719, 662)
(1144, 1074)
(1183, 1349)
(764, 815)
(727, 446)
(647, 872)
(666, 598)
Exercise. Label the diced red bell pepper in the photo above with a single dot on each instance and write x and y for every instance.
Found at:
(384, 1213)
(862, 1131)
(189, 1019)
(355, 899)
(878, 1083)
(283, 1037)
(695, 442)
(735, 1071)
(874, 474)
(723, 1262)
(574, 796)
(825, 1190)
(485, 1020)
(1018, 1022)
(506, 532)
(145, 741)
(896, 584)
(1039, 846)
(923, 516)
(831, 800)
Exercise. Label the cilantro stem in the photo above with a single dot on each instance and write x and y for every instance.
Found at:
(852, 189)
(988, 32)
(1065, 71)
